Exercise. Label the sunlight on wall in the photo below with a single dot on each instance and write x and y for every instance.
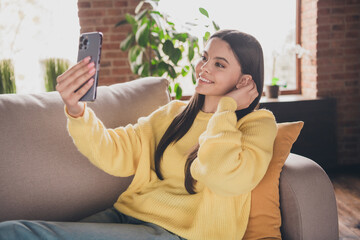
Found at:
(33, 30)
(273, 23)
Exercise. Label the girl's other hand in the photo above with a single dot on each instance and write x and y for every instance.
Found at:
(245, 92)
(71, 80)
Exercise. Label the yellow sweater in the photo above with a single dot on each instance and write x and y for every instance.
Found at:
(232, 159)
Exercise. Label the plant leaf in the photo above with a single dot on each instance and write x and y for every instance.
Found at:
(178, 91)
(161, 68)
(204, 12)
(138, 7)
(171, 71)
(168, 47)
(191, 52)
(133, 53)
(142, 35)
(185, 71)
(193, 78)
(139, 58)
(181, 37)
(122, 22)
(206, 36)
(130, 19)
(127, 42)
(216, 26)
(140, 16)
(134, 67)
(176, 55)
(143, 70)
(274, 81)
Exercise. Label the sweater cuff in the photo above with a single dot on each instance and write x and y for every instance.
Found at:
(74, 118)
(227, 104)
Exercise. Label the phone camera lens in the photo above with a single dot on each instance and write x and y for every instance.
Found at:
(86, 41)
(80, 46)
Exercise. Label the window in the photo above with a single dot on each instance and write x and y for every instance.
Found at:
(32, 31)
(273, 23)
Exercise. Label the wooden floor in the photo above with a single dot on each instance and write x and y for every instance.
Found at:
(347, 192)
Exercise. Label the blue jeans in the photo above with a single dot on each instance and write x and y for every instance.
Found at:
(107, 225)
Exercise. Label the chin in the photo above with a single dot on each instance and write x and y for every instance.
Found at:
(200, 90)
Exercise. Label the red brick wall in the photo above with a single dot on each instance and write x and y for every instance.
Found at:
(308, 41)
(102, 15)
(331, 30)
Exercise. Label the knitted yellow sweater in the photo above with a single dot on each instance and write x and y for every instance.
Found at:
(232, 159)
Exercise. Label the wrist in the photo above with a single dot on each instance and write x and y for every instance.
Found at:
(76, 112)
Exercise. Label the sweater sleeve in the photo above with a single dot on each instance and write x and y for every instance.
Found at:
(233, 156)
(115, 151)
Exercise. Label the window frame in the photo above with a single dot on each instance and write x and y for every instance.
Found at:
(298, 60)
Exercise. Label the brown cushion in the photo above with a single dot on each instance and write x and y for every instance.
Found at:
(265, 216)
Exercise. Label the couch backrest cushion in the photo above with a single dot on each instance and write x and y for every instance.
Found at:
(42, 175)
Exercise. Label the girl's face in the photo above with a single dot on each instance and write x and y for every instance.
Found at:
(218, 71)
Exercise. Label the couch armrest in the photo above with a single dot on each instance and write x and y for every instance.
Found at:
(307, 201)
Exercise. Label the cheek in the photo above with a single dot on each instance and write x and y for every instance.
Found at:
(198, 67)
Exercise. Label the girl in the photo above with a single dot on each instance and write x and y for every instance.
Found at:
(194, 164)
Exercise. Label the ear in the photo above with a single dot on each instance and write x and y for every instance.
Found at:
(244, 80)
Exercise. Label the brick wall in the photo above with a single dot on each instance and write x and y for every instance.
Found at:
(102, 15)
(331, 30)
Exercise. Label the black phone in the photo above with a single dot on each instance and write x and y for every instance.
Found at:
(90, 45)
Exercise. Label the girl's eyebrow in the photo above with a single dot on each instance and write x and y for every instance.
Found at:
(219, 58)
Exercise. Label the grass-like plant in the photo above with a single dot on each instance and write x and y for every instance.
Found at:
(7, 77)
(54, 67)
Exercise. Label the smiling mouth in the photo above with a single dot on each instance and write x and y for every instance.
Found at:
(204, 80)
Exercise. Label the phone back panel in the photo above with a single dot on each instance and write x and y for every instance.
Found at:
(90, 45)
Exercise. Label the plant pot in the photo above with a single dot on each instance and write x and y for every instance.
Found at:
(272, 91)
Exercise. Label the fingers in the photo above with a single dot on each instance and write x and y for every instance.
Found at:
(74, 83)
(75, 76)
(81, 92)
(73, 69)
(74, 79)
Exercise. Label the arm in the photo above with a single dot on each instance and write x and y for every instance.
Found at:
(116, 151)
(233, 157)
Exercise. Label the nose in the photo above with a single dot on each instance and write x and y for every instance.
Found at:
(205, 67)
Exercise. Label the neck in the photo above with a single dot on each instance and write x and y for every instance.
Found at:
(210, 104)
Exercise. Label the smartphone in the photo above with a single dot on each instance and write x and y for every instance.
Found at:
(90, 45)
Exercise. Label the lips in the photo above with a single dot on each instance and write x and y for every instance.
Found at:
(204, 80)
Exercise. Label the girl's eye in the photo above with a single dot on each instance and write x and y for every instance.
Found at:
(219, 65)
(203, 58)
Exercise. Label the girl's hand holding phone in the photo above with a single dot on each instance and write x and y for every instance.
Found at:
(244, 92)
(69, 83)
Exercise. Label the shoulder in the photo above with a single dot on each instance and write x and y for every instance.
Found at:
(167, 111)
(261, 114)
(262, 119)
(171, 109)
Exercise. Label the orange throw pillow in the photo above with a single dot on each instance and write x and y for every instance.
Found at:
(265, 216)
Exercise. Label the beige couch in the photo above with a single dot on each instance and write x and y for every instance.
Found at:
(43, 176)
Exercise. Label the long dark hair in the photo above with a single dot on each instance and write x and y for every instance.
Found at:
(249, 53)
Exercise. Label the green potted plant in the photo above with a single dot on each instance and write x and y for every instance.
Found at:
(272, 90)
(156, 48)
(54, 67)
(7, 77)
